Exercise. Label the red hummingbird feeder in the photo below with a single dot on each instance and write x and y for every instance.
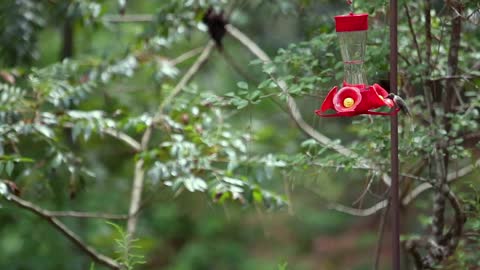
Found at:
(355, 97)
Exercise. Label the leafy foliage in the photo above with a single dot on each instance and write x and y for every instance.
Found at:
(20, 22)
(127, 250)
(71, 131)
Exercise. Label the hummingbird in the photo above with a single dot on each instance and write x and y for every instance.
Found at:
(399, 102)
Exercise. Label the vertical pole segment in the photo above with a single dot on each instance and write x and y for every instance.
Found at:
(394, 139)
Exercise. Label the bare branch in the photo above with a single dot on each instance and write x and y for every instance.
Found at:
(359, 212)
(404, 58)
(185, 56)
(451, 177)
(188, 76)
(137, 188)
(246, 41)
(128, 18)
(408, 198)
(139, 172)
(412, 32)
(123, 137)
(455, 77)
(117, 134)
(365, 191)
(381, 232)
(62, 228)
(438, 250)
(75, 214)
(340, 166)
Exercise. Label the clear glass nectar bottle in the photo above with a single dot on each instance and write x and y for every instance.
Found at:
(352, 33)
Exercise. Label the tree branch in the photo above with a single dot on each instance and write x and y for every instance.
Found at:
(117, 134)
(188, 76)
(185, 56)
(359, 212)
(412, 32)
(381, 231)
(76, 214)
(452, 63)
(137, 186)
(62, 228)
(123, 137)
(447, 243)
(128, 18)
(408, 198)
(136, 197)
(454, 77)
(428, 32)
(139, 172)
(450, 178)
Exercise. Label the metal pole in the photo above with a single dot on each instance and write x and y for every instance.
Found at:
(394, 139)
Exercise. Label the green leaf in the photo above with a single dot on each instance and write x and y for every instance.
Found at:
(239, 103)
(283, 266)
(264, 84)
(257, 196)
(242, 85)
(256, 62)
(45, 131)
(9, 167)
(269, 68)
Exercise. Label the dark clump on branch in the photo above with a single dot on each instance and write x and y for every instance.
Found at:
(12, 187)
(216, 22)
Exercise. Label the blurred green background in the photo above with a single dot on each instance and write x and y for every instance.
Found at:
(190, 230)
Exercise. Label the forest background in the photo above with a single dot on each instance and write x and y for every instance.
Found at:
(129, 139)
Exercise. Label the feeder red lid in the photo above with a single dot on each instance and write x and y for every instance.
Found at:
(351, 22)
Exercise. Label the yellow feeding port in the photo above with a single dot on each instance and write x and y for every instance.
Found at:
(348, 102)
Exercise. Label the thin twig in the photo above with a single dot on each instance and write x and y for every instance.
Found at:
(62, 228)
(117, 134)
(122, 137)
(412, 32)
(359, 212)
(188, 76)
(365, 191)
(451, 177)
(404, 58)
(381, 231)
(185, 56)
(75, 214)
(230, 60)
(128, 18)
